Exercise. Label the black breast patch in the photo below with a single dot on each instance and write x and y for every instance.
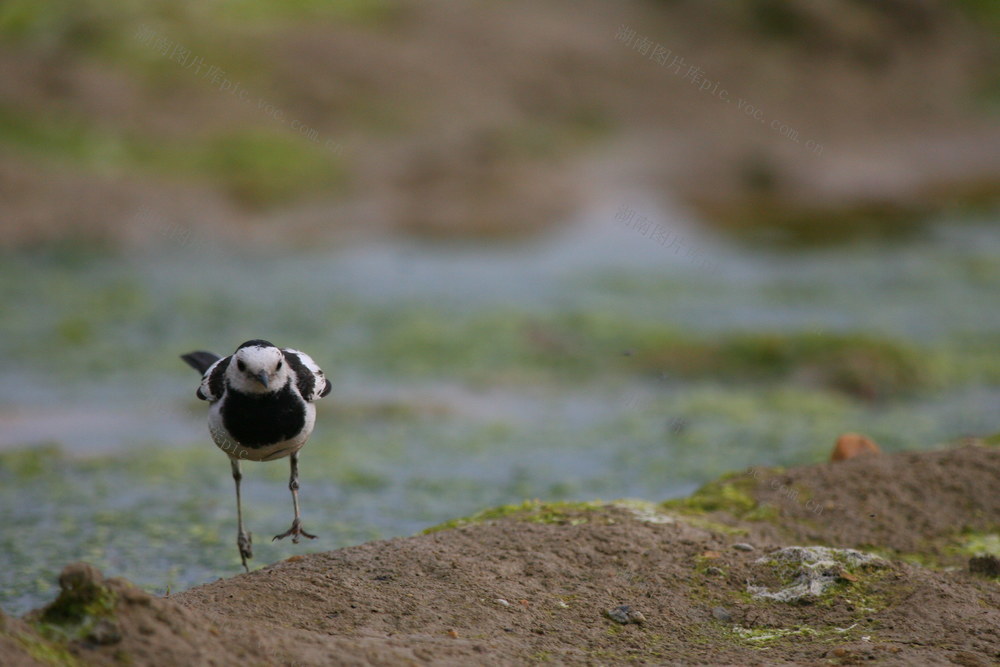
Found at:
(258, 420)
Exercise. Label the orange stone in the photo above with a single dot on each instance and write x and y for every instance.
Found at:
(850, 445)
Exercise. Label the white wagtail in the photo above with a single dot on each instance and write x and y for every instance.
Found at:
(262, 409)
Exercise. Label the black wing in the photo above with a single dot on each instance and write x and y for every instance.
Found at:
(310, 380)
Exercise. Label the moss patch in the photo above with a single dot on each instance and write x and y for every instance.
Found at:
(978, 544)
(532, 511)
(85, 608)
(731, 493)
(807, 573)
(363, 12)
(46, 652)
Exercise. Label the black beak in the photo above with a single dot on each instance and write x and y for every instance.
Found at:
(262, 376)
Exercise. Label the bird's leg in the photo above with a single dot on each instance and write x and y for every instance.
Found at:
(293, 485)
(243, 538)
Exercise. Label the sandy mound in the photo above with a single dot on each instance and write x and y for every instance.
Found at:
(593, 583)
(920, 504)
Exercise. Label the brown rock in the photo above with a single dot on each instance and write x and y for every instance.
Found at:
(986, 565)
(850, 445)
(80, 576)
(81, 584)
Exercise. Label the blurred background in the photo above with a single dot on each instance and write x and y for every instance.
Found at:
(559, 249)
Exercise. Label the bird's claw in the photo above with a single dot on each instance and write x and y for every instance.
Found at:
(295, 531)
(245, 543)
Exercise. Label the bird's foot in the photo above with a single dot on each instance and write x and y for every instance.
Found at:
(295, 531)
(245, 542)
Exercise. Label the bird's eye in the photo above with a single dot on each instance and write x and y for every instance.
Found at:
(240, 365)
(278, 367)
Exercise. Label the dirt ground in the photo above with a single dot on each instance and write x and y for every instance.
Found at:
(543, 583)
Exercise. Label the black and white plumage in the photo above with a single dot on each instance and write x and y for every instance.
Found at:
(261, 409)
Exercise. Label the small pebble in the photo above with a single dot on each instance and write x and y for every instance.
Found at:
(722, 614)
(743, 546)
(624, 614)
(502, 602)
(561, 604)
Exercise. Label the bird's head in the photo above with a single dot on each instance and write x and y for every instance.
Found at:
(258, 367)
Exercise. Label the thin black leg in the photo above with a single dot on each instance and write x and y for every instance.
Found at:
(244, 540)
(293, 485)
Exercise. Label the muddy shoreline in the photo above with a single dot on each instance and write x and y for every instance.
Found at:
(698, 578)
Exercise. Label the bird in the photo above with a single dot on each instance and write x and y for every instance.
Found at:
(260, 409)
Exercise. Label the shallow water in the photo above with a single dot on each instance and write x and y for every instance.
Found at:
(458, 383)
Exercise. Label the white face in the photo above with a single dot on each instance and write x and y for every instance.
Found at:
(257, 370)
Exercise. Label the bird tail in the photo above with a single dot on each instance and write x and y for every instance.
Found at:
(200, 360)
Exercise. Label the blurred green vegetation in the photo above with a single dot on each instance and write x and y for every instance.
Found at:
(256, 167)
(259, 165)
(984, 12)
(88, 25)
(774, 220)
(856, 365)
(113, 317)
(370, 12)
(509, 344)
(530, 511)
